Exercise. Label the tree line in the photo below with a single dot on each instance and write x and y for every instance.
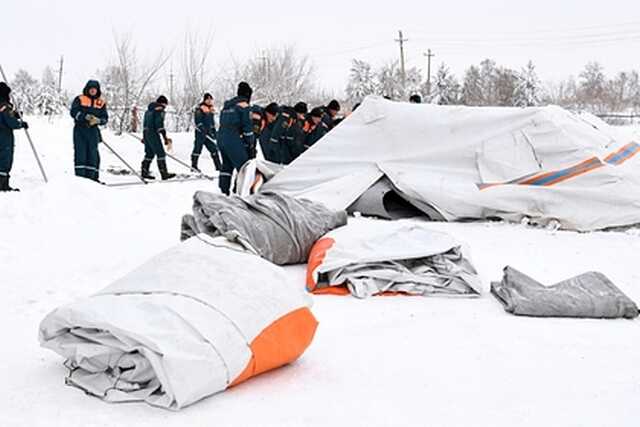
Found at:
(490, 84)
(130, 80)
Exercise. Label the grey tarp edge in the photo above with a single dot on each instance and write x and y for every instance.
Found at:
(590, 295)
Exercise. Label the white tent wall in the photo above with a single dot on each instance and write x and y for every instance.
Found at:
(451, 157)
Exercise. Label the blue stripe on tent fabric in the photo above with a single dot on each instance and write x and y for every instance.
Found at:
(630, 151)
(565, 172)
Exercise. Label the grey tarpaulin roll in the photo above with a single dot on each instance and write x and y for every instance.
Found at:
(590, 295)
(279, 228)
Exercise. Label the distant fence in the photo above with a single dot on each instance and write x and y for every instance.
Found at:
(620, 119)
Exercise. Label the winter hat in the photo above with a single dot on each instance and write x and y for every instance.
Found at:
(162, 100)
(272, 109)
(245, 90)
(207, 96)
(301, 108)
(317, 112)
(5, 91)
(334, 105)
(415, 99)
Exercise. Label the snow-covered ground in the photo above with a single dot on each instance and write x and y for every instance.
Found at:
(384, 361)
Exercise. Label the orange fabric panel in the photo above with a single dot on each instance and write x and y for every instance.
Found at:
(332, 290)
(316, 257)
(280, 343)
(85, 101)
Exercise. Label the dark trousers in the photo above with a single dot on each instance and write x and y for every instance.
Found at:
(6, 152)
(153, 147)
(85, 152)
(203, 142)
(234, 156)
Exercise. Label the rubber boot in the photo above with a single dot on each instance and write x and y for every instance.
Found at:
(194, 163)
(162, 166)
(146, 164)
(4, 184)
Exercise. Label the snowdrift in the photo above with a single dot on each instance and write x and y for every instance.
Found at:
(189, 323)
(370, 258)
(455, 163)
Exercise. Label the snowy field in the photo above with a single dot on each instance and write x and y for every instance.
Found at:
(384, 361)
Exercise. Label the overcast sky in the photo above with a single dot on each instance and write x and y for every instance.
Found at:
(560, 36)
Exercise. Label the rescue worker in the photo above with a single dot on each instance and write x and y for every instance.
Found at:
(331, 114)
(270, 116)
(205, 133)
(10, 120)
(236, 137)
(257, 119)
(280, 136)
(317, 128)
(297, 135)
(415, 99)
(89, 111)
(153, 123)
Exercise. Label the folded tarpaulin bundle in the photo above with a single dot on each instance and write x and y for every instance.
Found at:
(590, 295)
(367, 258)
(279, 228)
(192, 322)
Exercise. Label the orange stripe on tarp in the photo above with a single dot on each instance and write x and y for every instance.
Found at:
(623, 154)
(548, 179)
(281, 343)
(316, 258)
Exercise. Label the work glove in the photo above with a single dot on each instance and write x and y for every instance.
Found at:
(92, 120)
(169, 144)
(17, 115)
(25, 125)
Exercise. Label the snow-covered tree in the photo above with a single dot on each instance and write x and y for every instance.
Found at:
(390, 81)
(592, 88)
(362, 81)
(528, 90)
(25, 88)
(49, 100)
(446, 89)
(472, 91)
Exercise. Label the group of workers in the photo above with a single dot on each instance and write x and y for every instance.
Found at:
(283, 133)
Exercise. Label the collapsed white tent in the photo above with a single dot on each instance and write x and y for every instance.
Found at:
(194, 321)
(455, 163)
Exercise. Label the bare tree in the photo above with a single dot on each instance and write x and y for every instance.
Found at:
(277, 75)
(127, 80)
(194, 79)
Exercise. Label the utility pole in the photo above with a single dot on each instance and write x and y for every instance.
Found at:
(265, 67)
(60, 73)
(171, 78)
(429, 55)
(403, 72)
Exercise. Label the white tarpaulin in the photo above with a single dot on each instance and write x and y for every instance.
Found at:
(470, 162)
(368, 258)
(191, 322)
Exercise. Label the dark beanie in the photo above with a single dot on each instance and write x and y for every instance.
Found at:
(317, 112)
(207, 96)
(5, 91)
(334, 105)
(162, 100)
(415, 99)
(245, 90)
(272, 109)
(301, 108)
